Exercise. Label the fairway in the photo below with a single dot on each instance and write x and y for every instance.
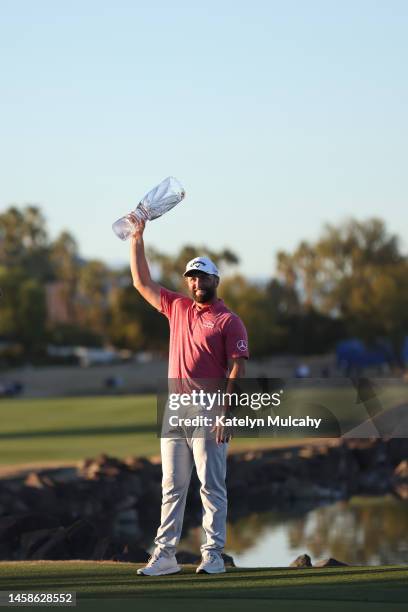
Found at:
(106, 585)
(53, 430)
(69, 429)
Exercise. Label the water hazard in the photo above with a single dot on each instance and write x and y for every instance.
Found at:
(360, 531)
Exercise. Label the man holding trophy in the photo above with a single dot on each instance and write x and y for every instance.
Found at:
(207, 341)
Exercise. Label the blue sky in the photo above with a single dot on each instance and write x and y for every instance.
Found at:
(276, 116)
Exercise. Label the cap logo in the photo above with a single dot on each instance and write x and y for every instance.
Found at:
(242, 345)
(197, 263)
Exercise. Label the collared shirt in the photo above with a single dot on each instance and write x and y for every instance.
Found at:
(201, 339)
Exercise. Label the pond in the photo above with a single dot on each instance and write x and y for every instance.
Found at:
(361, 531)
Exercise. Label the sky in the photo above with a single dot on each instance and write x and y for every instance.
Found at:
(276, 116)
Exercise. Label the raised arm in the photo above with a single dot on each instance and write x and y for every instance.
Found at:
(142, 280)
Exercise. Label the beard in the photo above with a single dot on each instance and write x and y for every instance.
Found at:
(205, 296)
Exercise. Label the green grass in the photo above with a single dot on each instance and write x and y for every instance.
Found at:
(107, 585)
(69, 429)
(41, 430)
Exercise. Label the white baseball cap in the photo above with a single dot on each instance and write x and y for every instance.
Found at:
(201, 264)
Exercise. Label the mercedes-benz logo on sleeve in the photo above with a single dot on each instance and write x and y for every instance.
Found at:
(242, 345)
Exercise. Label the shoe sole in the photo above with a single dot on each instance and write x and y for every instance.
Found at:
(165, 573)
(205, 572)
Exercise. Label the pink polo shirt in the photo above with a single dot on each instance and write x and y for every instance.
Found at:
(201, 339)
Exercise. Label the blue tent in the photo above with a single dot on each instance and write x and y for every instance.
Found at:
(354, 354)
(404, 354)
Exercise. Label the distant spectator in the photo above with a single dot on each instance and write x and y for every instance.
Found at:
(302, 371)
(11, 389)
(114, 382)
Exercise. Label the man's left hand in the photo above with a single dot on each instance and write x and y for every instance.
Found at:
(222, 434)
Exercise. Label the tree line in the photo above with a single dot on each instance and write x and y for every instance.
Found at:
(351, 282)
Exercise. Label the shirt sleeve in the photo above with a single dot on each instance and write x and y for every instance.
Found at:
(167, 299)
(236, 339)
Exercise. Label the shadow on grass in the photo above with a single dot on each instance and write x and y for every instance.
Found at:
(80, 431)
(341, 585)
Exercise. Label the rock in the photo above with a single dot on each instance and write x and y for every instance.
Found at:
(84, 464)
(14, 526)
(31, 541)
(228, 560)
(397, 450)
(401, 491)
(38, 481)
(53, 547)
(138, 463)
(127, 524)
(126, 503)
(6, 551)
(330, 563)
(301, 562)
(375, 481)
(104, 550)
(101, 467)
(400, 480)
(252, 455)
(401, 471)
(11, 502)
(155, 460)
(119, 501)
(39, 494)
(307, 452)
(81, 538)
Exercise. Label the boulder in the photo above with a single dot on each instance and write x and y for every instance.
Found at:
(53, 547)
(39, 496)
(401, 490)
(330, 563)
(109, 502)
(13, 526)
(81, 539)
(38, 481)
(6, 551)
(104, 550)
(397, 450)
(31, 541)
(301, 562)
(102, 466)
(401, 471)
(228, 560)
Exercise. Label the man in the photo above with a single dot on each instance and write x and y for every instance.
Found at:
(207, 341)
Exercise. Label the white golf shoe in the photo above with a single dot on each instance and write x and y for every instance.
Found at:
(159, 565)
(211, 563)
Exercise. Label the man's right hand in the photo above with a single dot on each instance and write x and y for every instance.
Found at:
(142, 281)
(139, 225)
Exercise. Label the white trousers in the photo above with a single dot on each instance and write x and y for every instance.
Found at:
(178, 456)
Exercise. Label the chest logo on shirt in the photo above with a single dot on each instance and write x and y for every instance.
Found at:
(242, 345)
(208, 324)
